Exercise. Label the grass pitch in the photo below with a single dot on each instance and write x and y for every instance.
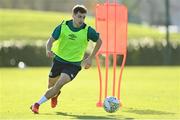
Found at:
(146, 93)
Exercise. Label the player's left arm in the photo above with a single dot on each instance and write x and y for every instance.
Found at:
(88, 61)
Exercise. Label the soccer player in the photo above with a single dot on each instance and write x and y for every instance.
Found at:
(67, 45)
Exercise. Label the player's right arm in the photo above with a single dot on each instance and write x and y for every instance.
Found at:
(54, 37)
(49, 43)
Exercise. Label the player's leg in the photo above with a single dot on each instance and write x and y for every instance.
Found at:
(54, 73)
(63, 79)
(51, 83)
(68, 73)
(53, 77)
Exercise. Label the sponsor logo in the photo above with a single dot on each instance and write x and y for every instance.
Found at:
(72, 37)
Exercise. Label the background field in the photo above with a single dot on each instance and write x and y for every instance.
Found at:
(38, 25)
(147, 93)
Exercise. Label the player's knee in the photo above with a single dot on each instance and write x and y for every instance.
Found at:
(51, 82)
(64, 81)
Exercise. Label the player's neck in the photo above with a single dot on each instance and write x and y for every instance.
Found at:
(75, 25)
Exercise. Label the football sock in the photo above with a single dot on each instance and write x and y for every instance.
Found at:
(42, 100)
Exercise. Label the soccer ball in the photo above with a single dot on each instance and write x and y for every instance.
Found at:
(111, 104)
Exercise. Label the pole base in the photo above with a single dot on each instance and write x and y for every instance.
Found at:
(120, 104)
(99, 104)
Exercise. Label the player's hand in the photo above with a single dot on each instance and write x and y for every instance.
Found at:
(87, 63)
(49, 54)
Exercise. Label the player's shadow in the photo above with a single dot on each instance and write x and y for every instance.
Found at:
(114, 117)
(148, 112)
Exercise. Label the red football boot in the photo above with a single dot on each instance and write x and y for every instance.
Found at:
(35, 108)
(54, 100)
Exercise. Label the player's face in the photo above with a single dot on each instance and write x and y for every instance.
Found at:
(78, 19)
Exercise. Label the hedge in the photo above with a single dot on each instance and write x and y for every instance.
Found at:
(139, 52)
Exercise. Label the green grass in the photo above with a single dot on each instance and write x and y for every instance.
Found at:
(38, 25)
(146, 93)
(140, 31)
(29, 25)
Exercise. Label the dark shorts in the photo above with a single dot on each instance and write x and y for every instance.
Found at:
(60, 67)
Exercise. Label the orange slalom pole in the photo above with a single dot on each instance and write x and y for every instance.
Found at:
(99, 103)
(114, 73)
(121, 71)
(107, 54)
(114, 55)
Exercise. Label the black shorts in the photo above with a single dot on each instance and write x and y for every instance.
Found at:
(60, 67)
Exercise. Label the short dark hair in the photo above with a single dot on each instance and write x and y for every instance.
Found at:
(79, 8)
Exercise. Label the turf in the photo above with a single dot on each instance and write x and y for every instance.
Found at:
(146, 93)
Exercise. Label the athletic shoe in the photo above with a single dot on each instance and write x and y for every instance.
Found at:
(35, 108)
(54, 100)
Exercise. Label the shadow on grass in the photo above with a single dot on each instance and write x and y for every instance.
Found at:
(148, 112)
(114, 117)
